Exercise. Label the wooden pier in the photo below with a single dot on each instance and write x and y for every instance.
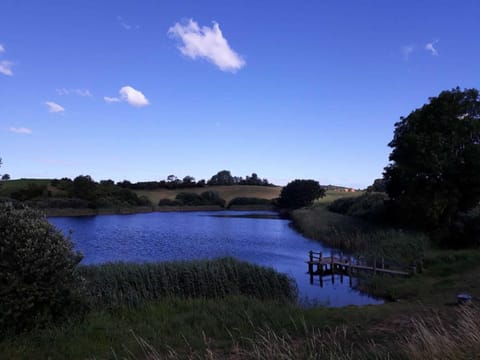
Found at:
(319, 265)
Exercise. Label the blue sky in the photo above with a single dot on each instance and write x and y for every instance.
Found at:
(142, 89)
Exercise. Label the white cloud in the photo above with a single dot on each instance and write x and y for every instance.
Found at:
(406, 51)
(125, 25)
(110, 100)
(20, 130)
(133, 97)
(207, 43)
(6, 67)
(430, 47)
(54, 107)
(2, 49)
(79, 92)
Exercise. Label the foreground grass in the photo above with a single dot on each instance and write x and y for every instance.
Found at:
(226, 327)
(244, 328)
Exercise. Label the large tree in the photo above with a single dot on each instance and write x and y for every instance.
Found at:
(434, 173)
(223, 177)
(299, 193)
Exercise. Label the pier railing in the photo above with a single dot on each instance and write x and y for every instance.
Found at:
(341, 264)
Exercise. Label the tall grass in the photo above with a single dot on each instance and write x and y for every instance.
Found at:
(430, 338)
(114, 284)
(267, 343)
(399, 248)
(435, 337)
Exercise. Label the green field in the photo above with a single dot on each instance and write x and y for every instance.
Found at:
(332, 195)
(226, 192)
(9, 186)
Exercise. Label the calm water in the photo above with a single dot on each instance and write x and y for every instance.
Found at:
(204, 235)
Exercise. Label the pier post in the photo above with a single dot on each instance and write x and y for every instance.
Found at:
(310, 262)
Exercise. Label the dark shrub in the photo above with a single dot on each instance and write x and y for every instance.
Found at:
(212, 198)
(341, 205)
(206, 198)
(38, 282)
(370, 206)
(168, 202)
(191, 199)
(249, 201)
(299, 193)
(30, 192)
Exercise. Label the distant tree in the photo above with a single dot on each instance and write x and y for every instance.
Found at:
(107, 182)
(434, 173)
(125, 184)
(223, 177)
(377, 186)
(6, 177)
(188, 180)
(172, 178)
(299, 193)
(83, 187)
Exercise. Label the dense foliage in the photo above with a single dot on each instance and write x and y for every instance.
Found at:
(131, 284)
(223, 177)
(38, 282)
(299, 193)
(83, 189)
(370, 206)
(434, 175)
(205, 198)
(240, 201)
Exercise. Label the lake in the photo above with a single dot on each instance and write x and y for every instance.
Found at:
(169, 236)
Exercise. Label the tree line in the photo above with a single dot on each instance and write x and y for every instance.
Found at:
(223, 177)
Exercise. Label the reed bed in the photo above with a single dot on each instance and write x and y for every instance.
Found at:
(130, 284)
(399, 248)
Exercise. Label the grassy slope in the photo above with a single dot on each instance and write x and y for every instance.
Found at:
(226, 192)
(9, 186)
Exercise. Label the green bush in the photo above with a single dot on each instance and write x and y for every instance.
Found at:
(38, 280)
(212, 198)
(194, 199)
(249, 201)
(169, 202)
(300, 193)
(370, 206)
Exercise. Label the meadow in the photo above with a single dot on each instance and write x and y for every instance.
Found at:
(228, 193)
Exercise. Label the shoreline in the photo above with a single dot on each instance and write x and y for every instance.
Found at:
(71, 212)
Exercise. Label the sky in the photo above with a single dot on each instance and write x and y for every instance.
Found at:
(141, 89)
